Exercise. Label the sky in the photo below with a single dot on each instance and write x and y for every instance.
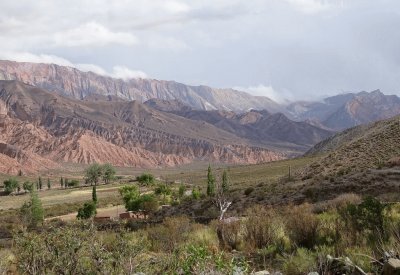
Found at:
(283, 49)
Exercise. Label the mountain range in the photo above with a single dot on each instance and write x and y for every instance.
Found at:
(51, 114)
(333, 113)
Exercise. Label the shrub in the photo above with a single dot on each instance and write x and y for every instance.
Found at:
(368, 215)
(169, 235)
(302, 262)
(72, 183)
(196, 193)
(248, 191)
(230, 234)
(87, 211)
(302, 225)
(146, 179)
(10, 185)
(264, 227)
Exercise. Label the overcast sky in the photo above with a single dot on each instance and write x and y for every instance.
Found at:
(294, 49)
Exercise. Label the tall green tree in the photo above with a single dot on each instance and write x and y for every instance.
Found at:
(94, 194)
(32, 211)
(225, 182)
(94, 173)
(108, 172)
(61, 182)
(210, 182)
(48, 183)
(40, 183)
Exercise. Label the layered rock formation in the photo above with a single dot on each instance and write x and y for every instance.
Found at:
(46, 128)
(77, 84)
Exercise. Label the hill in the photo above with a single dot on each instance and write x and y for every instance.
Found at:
(48, 126)
(347, 110)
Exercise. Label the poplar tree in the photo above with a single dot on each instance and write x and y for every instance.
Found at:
(210, 183)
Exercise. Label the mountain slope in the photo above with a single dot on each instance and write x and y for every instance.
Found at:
(357, 149)
(272, 130)
(62, 129)
(347, 110)
(74, 83)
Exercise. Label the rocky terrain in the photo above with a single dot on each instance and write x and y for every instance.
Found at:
(38, 125)
(77, 84)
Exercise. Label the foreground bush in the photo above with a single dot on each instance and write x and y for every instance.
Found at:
(264, 227)
(75, 251)
(169, 235)
(302, 225)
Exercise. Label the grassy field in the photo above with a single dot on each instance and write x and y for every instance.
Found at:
(59, 201)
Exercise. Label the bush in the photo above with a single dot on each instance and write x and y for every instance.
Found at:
(10, 185)
(87, 211)
(369, 215)
(148, 203)
(146, 179)
(302, 225)
(248, 191)
(230, 235)
(264, 227)
(169, 235)
(72, 183)
(302, 262)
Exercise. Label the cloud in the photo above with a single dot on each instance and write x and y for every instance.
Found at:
(176, 7)
(268, 91)
(117, 71)
(126, 73)
(311, 6)
(92, 34)
(35, 58)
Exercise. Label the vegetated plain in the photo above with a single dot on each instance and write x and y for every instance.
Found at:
(62, 201)
(313, 213)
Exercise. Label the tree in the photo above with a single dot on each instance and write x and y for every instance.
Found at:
(27, 186)
(130, 195)
(210, 182)
(93, 173)
(225, 181)
(222, 201)
(32, 211)
(61, 182)
(71, 183)
(108, 172)
(20, 173)
(87, 211)
(146, 179)
(40, 183)
(148, 202)
(10, 185)
(48, 183)
(94, 194)
(66, 183)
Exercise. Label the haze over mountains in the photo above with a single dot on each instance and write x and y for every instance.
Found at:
(52, 114)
